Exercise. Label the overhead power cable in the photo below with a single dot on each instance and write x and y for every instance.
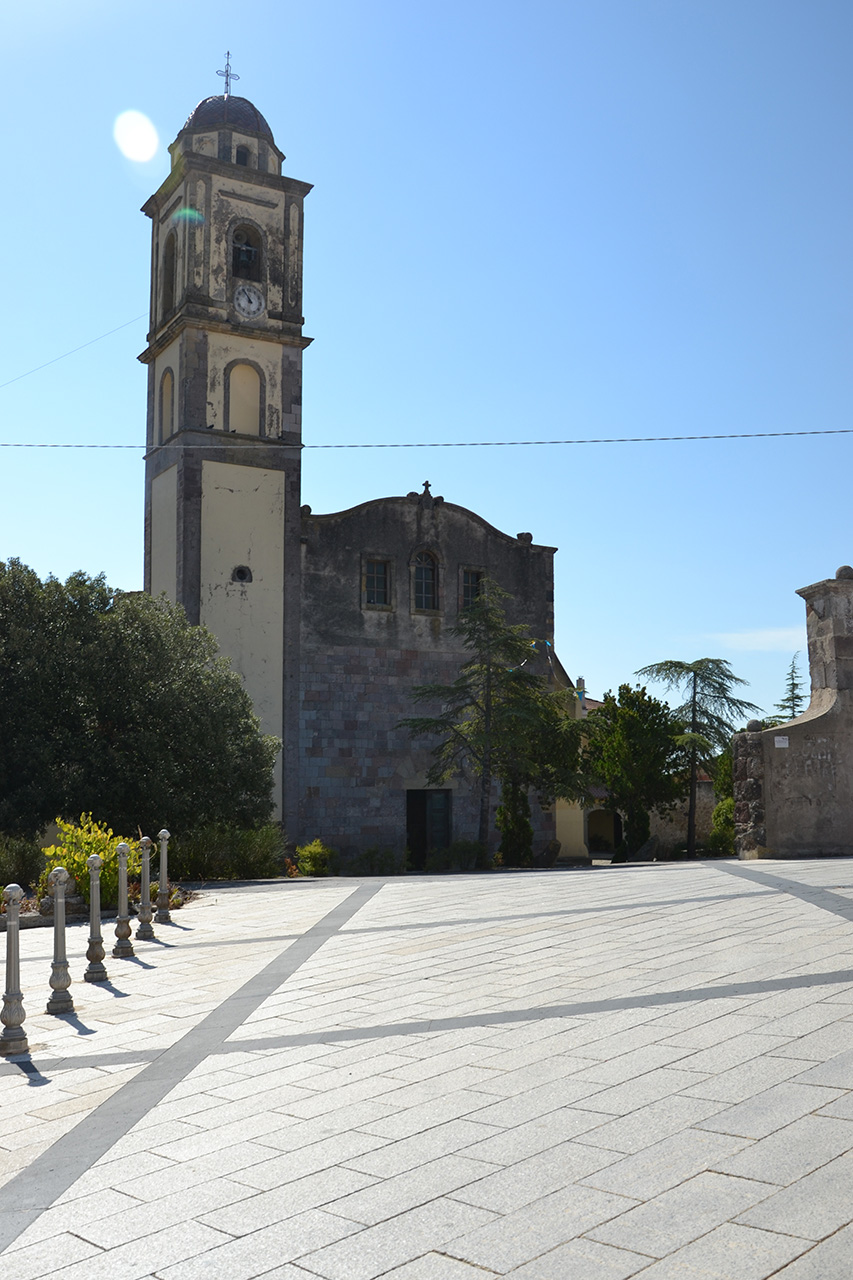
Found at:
(443, 444)
(72, 352)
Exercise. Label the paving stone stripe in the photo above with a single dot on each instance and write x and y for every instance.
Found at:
(538, 1012)
(35, 1188)
(813, 894)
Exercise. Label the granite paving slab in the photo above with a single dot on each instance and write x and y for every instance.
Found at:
(569, 1075)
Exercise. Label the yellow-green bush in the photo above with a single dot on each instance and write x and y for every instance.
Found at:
(77, 843)
(315, 859)
(722, 838)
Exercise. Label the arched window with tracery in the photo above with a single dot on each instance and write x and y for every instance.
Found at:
(426, 580)
(170, 261)
(244, 400)
(166, 425)
(246, 253)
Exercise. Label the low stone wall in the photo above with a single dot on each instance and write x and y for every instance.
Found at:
(671, 829)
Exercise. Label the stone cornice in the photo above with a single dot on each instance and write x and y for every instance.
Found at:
(194, 163)
(206, 325)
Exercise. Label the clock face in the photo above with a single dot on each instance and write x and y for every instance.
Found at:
(248, 300)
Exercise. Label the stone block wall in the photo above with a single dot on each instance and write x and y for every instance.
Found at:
(793, 784)
(360, 663)
(748, 774)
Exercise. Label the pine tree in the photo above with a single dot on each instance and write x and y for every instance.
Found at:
(794, 700)
(498, 719)
(706, 713)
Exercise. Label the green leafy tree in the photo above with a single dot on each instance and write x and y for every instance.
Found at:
(632, 749)
(114, 705)
(723, 774)
(794, 700)
(707, 712)
(499, 720)
(513, 821)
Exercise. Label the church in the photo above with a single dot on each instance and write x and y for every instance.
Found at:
(331, 619)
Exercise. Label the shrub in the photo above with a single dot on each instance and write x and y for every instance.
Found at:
(222, 852)
(722, 838)
(77, 844)
(460, 856)
(21, 861)
(315, 859)
(372, 862)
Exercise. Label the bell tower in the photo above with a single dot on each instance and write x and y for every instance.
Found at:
(224, 357)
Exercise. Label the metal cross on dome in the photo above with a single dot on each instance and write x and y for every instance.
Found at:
(228, 73)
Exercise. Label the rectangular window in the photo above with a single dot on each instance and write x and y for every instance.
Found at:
(472, 585)
(376, 584)
(426, 581)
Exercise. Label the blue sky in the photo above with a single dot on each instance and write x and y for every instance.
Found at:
(553, 221)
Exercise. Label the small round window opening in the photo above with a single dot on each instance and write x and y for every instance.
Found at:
(241, 573)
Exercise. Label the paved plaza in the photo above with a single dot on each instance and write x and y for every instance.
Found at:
(569, 1075)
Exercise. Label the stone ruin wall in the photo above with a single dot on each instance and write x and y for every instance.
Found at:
(793, 783)
(748, 774)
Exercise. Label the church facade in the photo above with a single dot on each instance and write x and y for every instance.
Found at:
(330, 619)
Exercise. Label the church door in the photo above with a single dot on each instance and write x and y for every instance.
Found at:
(427, 823)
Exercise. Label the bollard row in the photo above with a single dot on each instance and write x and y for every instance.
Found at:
(13, 1039)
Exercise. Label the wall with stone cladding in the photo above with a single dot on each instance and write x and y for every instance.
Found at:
(748, 776)
(794, 782)
(361, 663)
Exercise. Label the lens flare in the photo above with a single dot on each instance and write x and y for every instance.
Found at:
(135, 136)
(187, 215)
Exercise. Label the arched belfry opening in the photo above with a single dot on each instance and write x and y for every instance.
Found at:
(246, 253)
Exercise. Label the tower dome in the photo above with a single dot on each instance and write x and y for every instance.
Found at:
(226, 109)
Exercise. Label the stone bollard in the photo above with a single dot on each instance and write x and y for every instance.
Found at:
(143, 929)
(162, 916)
(95, 971)
(60, 978)
(14, 1037)
(123, 948)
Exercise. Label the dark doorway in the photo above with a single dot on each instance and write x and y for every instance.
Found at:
(427, 824)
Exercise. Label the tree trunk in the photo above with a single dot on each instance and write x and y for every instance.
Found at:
(691, 807)
(486, 773)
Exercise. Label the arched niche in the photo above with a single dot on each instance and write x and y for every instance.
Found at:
(246, 253)
(244, 399)
(166, 414)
